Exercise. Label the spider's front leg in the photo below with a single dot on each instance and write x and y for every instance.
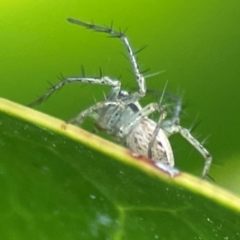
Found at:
(115, 84)
(132, 55)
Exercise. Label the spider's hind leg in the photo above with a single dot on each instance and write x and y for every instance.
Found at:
(172, 126)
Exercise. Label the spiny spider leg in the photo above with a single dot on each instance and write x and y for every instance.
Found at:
(115, 84)
(156, 132)
(172, 126)
(185, 133)
(139, 77)
(134, 119)
(158, 128)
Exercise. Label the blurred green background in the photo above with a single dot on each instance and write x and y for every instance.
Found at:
(197, 43)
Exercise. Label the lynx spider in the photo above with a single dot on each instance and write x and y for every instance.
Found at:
(122, 116)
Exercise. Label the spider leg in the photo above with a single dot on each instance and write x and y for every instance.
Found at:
(173, 128)
(121, 35)
(78, 120)
(163, 115)
(135, 118)
(115, 84)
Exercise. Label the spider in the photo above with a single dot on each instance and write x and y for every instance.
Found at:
(121, 115)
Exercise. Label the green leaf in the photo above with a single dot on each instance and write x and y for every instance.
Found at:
(61, 182)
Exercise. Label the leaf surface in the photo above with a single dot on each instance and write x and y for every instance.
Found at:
(61, 182)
